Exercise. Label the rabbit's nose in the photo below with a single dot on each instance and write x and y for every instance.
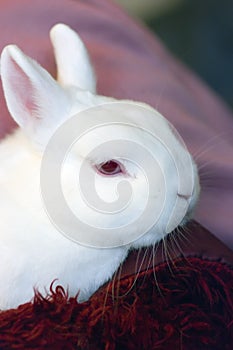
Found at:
(184, 196)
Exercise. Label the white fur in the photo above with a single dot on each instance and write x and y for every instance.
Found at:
(32, 252)
(79, 71)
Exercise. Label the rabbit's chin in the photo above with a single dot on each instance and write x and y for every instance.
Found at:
(158, 233)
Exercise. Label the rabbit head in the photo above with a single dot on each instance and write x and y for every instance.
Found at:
(131, 159)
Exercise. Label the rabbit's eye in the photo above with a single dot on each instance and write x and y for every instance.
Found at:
(110, 167)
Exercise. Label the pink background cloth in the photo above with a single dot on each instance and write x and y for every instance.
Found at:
(132, 63)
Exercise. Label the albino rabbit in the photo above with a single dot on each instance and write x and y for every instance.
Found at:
(33, 252)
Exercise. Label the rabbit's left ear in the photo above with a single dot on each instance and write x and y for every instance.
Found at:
(73, 64)
(34, 99)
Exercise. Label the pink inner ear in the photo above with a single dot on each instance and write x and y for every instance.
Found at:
(24, 92)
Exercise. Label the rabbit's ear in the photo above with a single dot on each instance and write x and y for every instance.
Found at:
(73, 64)
(34, 99)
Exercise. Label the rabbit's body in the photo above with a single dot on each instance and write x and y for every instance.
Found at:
(33, 252)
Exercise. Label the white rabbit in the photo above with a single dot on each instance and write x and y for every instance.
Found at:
(33, 253)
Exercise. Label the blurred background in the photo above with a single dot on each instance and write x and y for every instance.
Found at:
(199, 32)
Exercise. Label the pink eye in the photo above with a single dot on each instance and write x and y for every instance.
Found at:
(110, 167)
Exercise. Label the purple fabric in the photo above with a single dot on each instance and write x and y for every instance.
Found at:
(131, 63)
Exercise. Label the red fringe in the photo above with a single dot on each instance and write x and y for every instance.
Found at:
(186, 305)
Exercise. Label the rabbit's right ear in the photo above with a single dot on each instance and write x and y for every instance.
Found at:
(34, 99)
(73, 64)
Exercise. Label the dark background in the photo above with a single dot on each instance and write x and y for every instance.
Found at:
(200, 33)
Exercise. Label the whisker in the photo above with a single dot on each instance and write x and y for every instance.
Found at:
(207, 186)
(170, 244)
(155, 248)
(173, 247)
(116, 283)
(204, 149)
(137, 272)
(137, 259)
(188, 232)
(204, 165)
(207, 176)
(119, 281)
(168, 257)
(176, 237)
(105, 299)
(148, 265)
(183, 233)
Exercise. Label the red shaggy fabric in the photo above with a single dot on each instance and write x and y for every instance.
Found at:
(187, 304)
